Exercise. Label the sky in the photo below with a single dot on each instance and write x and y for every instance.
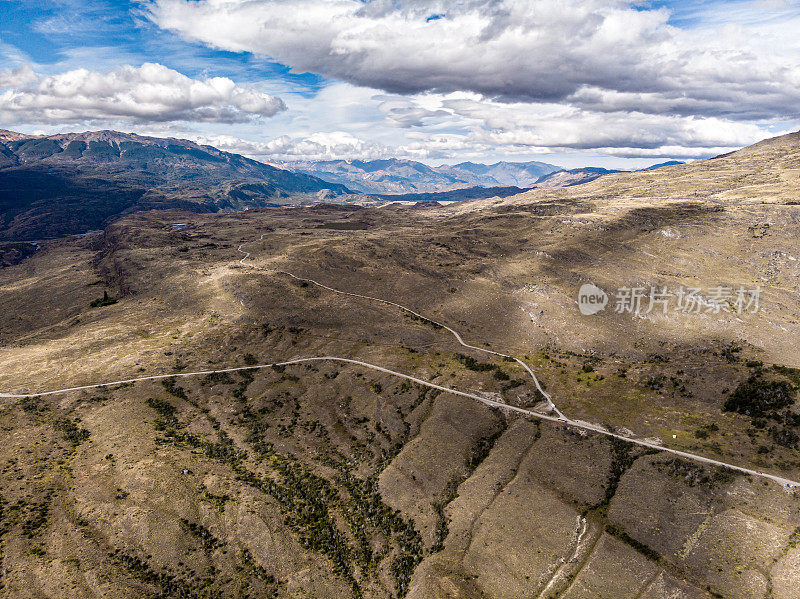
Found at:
(617, 84)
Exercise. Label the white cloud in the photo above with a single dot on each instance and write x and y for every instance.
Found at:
(16, 77)
(149, 93)
(600, 55)
(339, 145)
(336, 145)
(405, 113)
(490, 128)
(559, 127)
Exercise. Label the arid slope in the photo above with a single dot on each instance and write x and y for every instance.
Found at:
(330, 480)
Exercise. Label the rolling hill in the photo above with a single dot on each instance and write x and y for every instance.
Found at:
(575, 176)
(288, 478)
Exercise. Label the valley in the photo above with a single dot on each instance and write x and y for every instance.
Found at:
(389, 401)
(369, 299)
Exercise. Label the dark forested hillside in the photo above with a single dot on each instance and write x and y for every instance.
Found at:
(64, 184)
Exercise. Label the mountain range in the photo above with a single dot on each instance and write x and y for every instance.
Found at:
(56, 185)
(355, 415)
(64, 184)
(397, 176)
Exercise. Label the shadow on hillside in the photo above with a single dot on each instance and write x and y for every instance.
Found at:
(614, 241)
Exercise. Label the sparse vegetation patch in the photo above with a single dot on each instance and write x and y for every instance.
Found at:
(758, 397)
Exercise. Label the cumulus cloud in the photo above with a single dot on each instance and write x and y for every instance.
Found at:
(443, 146)
(336, 145)
(510, 130)
(594, 54)
(15, 77)
(477, 128)
(559, 127)
(340, 145)
(149, 93)
(405, 113)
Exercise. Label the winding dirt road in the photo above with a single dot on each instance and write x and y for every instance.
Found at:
(558, 418)
(489, 402)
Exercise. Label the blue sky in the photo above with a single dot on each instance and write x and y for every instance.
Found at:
(618, 84)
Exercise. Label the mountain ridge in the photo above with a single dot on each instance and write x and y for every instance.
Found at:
(331, 468)
(54, 185)
(396, 176)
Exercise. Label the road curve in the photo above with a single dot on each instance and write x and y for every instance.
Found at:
(560, 418)
(784, 482)
(455, 333)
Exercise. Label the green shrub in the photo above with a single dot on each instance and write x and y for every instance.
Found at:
(222, 378)
(37, 517)
(106, 300)
(207, 540)
(166, 411)
(472, 364)
(785, 437)
(757, 397)
(501, 375)
(695, 474)
(71, 431)
(623, 536)
(33, 405)
(173, 388)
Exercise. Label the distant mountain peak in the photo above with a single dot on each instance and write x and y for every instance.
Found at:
(574, 176)
(53, 185)
(399, 175)
(661, 164)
